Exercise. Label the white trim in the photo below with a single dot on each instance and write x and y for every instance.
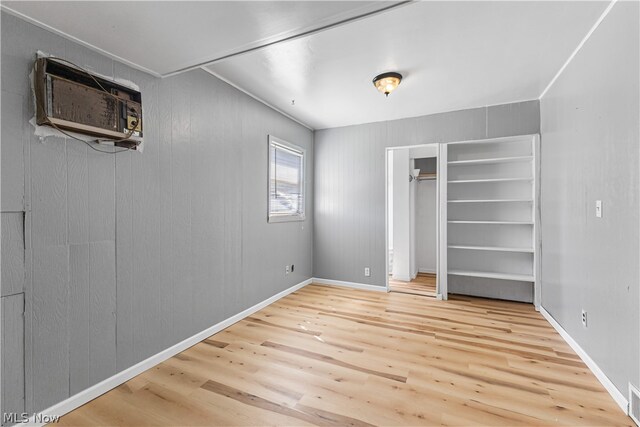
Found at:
(77, 40)
(620, 399)
(633, 390)
(354, 285)
(230, 83)
(427, 270)
(110, 383)
(577, 49)
(439, 190)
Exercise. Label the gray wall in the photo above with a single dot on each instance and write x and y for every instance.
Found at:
(350, 180)
(590, 151)
(128, 254)
(426, 232)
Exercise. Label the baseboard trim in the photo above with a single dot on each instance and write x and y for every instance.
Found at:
(427, 270)
(353, 285)
(620, 399)
(110, 383)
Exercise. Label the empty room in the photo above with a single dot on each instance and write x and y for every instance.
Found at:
(320, 213)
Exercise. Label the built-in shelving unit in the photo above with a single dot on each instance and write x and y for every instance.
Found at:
(492, 218)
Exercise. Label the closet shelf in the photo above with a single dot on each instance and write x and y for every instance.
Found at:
(491, 222)
(468, 181)
(427, 176)
(492, 248)
(492, 161)
(493, 275)
(489, 200)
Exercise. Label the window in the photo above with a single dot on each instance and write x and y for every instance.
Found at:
(286, 181)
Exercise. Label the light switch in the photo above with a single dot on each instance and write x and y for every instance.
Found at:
(598, 208)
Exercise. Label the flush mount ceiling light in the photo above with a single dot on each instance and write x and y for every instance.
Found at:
(387, 82)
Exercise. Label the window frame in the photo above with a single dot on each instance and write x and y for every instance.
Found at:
(287, 217)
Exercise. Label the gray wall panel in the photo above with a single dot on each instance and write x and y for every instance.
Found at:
(12, 334)
(50, 325)
(79, 308)
(102, 309)
(13, 268)
(350, 180)
(134, 252)
(589, 152)
(520, 118)
(12, 152)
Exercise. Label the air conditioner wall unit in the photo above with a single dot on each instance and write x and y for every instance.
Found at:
(69, 98)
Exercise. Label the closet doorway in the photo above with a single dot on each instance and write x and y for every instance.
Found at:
(413, 219)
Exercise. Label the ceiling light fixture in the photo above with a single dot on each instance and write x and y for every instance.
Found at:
(387, 82)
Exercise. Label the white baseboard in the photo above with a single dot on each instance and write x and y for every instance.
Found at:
(353, 285)
(620, 399)
(427, 270)
(110, 383)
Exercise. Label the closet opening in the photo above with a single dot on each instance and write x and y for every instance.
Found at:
(412, 212)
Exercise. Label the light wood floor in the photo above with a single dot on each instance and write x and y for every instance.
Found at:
(423, 284)
(333, 356)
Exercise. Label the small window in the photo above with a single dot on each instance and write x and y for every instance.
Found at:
(286, 181)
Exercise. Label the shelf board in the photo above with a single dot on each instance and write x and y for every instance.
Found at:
(468, 181)
(492, 248)
(492, 275)
(499, 140)
(489, 200)
(492, 161)
(492, 222)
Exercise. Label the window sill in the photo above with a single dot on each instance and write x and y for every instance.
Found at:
(285, 218)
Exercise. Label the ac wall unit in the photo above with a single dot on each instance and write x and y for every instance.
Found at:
(70, 99)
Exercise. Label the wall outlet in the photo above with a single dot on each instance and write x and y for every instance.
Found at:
(287, 269)
(584, 318)
(598, 208)
(367, 272)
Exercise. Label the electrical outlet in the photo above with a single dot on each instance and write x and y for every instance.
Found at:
(367, 272)
(584, 318)
(598, 208)
(287, 269)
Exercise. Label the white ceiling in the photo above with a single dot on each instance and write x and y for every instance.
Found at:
(166, 36)
(454, 55)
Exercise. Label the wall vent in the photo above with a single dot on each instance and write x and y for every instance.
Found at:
(634, 404)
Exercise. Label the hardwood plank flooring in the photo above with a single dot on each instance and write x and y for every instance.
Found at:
(423, 284)
(332, 356)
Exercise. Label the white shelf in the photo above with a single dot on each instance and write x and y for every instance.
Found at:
(499, 140)
(467, 181)
(494, 275)
(492, 161)
(492, 248)
(490, 201)
(492, 222)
